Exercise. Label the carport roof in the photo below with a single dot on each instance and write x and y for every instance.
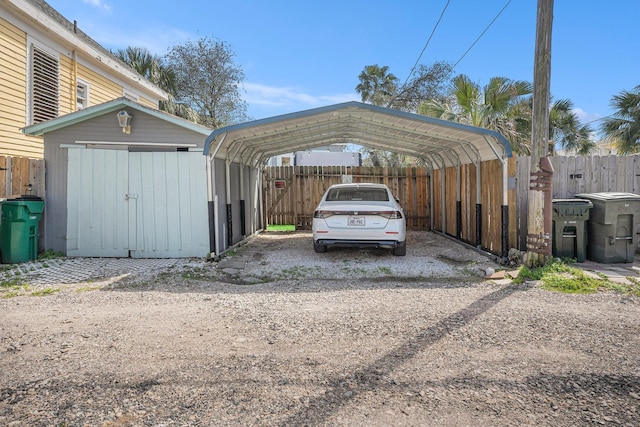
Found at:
(440, 143)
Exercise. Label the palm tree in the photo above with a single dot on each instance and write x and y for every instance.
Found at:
(623, 127)
(566, 131)
(153, 69)
(148, 65)
(498, 106)
(377, 85)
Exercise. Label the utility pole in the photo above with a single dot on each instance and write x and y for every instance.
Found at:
(540, 188)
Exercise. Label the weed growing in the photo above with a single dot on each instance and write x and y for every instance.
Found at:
(561, 276)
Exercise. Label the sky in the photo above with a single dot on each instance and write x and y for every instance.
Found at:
(298, 55)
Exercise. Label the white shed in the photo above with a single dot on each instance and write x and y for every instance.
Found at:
(113, 193)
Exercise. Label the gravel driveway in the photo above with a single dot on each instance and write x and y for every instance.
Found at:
(280, 336)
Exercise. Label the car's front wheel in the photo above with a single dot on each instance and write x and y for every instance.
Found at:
(400, 250)
(319, 249)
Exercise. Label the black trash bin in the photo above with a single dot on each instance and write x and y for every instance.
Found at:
(612, 226)
(570, 218)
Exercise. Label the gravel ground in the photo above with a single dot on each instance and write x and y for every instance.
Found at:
(280, 336)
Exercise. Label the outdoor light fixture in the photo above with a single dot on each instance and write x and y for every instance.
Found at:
(124, 120)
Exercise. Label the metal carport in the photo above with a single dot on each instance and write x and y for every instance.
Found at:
(240, 150)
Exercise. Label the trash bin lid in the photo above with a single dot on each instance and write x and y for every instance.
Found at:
(571, 202)
(609, 196)
(24, 198)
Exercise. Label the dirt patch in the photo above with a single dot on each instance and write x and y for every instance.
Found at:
(346, 338)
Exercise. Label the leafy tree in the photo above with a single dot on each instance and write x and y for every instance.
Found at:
(428, 82)
(378, 86)
(623, 127)
(497, 106)
(153, 69)
(208, 80)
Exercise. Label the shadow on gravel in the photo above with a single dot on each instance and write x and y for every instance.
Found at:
(371, 377)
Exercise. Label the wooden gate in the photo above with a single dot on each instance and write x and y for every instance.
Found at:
(291, 193)
(21, 175)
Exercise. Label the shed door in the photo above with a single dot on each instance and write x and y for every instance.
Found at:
(168, 205)
(142, 205)
(97, 210)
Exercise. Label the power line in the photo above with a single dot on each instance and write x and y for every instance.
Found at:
(427, 43)
(482, 34)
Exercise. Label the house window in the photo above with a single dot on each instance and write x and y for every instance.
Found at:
(44, 85)
(82, 95)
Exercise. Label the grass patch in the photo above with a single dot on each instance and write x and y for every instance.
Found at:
(13, 287)
(44, 292)
(49, 254)
(385, 270)
(14, 282)
(287, 227)
(559, 275)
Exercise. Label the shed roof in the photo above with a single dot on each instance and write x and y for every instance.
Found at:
(108, 107)
(440, 143)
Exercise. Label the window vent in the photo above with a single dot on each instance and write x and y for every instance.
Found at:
(44, 86)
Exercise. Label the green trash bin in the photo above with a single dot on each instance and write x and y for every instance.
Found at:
(612, 226)
(569, 239)
(19, 220)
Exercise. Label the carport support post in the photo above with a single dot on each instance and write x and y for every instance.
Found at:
(443, 197)
(478, 207)
(432, 209)
(243, 227)
(458, 204)
(211, 205)
(505, 209)
(227, 176)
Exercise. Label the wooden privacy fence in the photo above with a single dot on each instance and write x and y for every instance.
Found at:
(21, 175)
(477, 216)
(291, 193)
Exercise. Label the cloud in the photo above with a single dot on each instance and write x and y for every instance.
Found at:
(99, 4)
(158, 39)
(288, 98)
(586, 117)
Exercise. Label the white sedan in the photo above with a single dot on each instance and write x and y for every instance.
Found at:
(359, 215)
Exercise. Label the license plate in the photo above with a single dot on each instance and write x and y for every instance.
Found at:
(356, 221)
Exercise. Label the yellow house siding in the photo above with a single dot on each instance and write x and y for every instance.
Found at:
(13, 87)
(101, 89)
(67, 84)
(147, 102)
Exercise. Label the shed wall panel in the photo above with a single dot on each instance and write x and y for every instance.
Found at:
(55, 218)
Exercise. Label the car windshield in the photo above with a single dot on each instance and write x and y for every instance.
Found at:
(358, 194)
